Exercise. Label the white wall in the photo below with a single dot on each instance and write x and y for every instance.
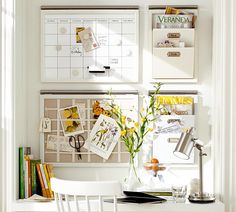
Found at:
(29, 79)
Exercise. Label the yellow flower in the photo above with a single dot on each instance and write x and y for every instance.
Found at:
(123, 119)
(136, 124)
(114, 110)
(123, 133)
(143, 120)
(142, 110)
(132, 130)
(150, 129)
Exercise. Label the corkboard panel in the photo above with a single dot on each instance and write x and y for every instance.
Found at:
(49, 106)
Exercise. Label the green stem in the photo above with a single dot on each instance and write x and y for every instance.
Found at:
(133, 167)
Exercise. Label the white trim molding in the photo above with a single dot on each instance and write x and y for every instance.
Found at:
(7, 103)
(224, 101)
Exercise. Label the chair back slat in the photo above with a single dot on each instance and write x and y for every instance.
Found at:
(57, 202)
(115, 204)
(84, 189)
(67, 203)
(76, 203)
(100, 204)
(61, 203)
(87, 204)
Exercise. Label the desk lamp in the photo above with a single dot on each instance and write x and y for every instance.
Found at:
(183, 150)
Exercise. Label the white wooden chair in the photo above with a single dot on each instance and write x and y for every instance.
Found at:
(85, 189)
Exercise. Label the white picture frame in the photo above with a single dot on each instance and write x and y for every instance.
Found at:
(71, 121)
(103, 137)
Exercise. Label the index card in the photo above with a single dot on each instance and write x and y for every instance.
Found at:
(60, 143)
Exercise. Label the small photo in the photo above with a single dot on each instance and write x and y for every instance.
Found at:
(71, 120)
(101, 107)
(78, 29)
(103, 137)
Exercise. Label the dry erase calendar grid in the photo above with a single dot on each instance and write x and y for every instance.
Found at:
(63, 57)
(49, 108)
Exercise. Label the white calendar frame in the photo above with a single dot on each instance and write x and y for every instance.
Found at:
(115, 75)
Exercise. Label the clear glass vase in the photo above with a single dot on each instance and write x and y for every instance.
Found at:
(132, 182)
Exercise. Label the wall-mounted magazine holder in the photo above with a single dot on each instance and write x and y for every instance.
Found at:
(179, 114)
(174, 46)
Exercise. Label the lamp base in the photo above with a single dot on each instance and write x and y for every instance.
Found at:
(204, 198)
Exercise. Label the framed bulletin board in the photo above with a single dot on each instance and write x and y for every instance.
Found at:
(106, 51)
(55, 147)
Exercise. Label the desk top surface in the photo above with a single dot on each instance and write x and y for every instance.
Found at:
(169, 206)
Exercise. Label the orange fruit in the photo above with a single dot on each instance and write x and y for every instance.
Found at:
(154, 160)
(155, 168)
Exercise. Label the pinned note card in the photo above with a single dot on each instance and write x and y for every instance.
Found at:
(88, 39)
(60, 143)
(45, 125)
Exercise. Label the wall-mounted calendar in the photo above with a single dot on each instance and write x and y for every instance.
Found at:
(90, 45)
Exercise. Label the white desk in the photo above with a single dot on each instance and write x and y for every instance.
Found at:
(163, 207)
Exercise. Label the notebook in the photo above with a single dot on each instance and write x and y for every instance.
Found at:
(137, 197)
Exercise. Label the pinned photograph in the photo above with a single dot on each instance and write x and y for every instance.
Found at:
(78, 29)
(88, 40)
(103, 137)
(101, 107)
(71, 120)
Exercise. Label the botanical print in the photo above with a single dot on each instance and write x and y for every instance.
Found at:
(103, 137)
(71, 120)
